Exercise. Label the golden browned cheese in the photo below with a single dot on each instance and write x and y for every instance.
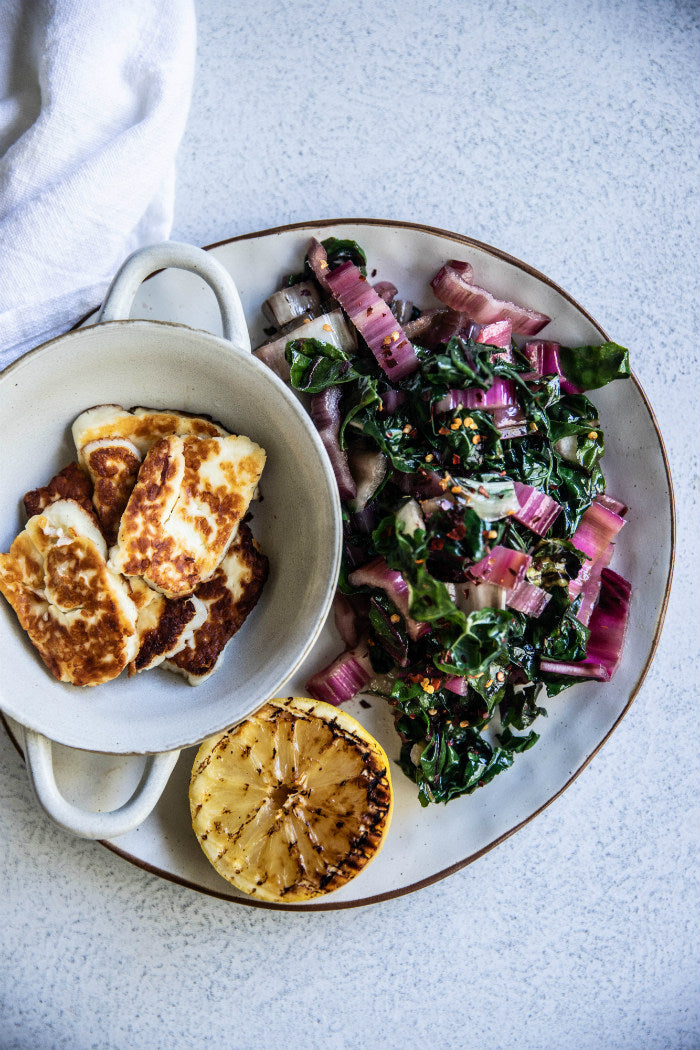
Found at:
(76, 611)
(142, 426)
(229, 597)
(69, 483)
(111, 442)
(113, 465)
(185, 508)
(164, 625)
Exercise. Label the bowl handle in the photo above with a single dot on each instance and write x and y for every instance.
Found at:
(81, 822)
(145, 261)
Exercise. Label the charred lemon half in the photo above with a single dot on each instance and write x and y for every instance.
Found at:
(293, 802)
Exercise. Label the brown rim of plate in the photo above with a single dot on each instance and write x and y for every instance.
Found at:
(438, 876)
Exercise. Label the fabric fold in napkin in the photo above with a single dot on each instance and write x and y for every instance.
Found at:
(93, 103)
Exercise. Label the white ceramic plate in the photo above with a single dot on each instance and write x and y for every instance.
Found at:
(425, 845)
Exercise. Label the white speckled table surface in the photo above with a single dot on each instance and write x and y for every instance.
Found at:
(567, 135)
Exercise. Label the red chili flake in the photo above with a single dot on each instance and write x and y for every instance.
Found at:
(483, 491)
(458, 532)
(456, 460)
(437, 544)
(369, 310)
(362, 277)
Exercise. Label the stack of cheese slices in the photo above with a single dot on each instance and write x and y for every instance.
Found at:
(137, 554)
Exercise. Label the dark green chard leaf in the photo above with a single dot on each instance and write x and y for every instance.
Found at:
(490, 685)
(575, 416)
(430, 600)
(452, 537)
(464, 452)
(554, 563)
(521, 650)
(593, 366)
(474, 645)
(519, 707)
(574, 408)
(557, 634)
(458, 767)
(363, 397)
(389, 629)
(517, 744)
(575, 492)
(532, 461)
(463, 364)
(398, 438)
(340, 250)
(315, 365)
(444, 756)
(295, 278)
(470, 644)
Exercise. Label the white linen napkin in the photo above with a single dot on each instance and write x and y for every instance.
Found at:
(94, 96)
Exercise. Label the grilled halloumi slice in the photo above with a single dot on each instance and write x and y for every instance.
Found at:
(185, 509)
(77, 612)
(111, 441)
(113, 466)
(164, 625)
(142, 426)
(229, 597)
(70, 483)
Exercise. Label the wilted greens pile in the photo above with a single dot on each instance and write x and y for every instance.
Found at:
(478, 533)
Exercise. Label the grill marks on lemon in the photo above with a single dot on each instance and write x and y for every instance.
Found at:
(293, 802)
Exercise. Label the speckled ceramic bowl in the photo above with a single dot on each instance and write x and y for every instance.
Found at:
(297, 520)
